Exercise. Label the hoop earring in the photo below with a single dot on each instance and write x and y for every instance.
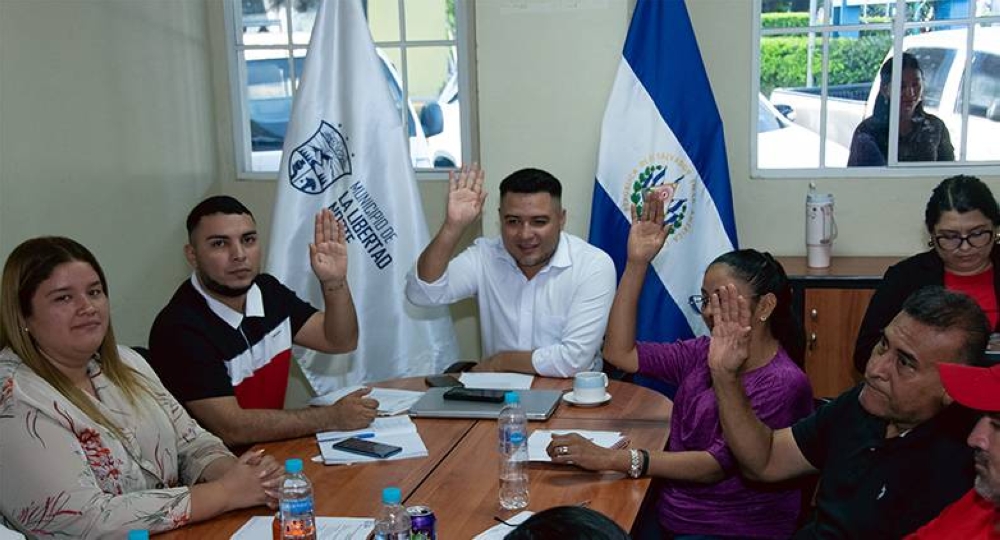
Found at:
(930, 243)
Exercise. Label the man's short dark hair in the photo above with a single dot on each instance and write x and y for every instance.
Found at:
(218, 204)
(940, 308)
(531, 181)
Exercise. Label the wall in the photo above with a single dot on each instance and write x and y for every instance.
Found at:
(107, 135)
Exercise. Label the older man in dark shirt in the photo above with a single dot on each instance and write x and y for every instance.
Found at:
(891, 453)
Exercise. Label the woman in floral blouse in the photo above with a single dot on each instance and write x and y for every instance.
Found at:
(91, 444)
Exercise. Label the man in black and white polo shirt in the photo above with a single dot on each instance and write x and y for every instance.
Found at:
(223, 343)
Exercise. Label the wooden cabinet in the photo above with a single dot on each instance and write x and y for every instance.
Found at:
(831, 303)
(831, 322)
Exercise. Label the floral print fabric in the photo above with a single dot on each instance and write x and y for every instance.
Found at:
(62, 475)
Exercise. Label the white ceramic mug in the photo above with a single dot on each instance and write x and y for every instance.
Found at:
(590, 386)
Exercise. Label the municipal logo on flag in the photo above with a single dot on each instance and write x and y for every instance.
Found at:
(320, 161)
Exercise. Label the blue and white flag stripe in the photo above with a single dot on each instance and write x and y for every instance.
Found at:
(661, 127)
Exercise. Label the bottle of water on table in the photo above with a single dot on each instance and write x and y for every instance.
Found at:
(393, 522)
(298, 518)
(512, 430)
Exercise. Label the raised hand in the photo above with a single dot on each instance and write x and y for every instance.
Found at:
(328, 252)
(730, 345)
(465, 196)
(648, 232)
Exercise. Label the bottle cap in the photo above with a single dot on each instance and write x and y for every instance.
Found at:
(293, 466)
(138, 535)
(511, 397)
(391, 495)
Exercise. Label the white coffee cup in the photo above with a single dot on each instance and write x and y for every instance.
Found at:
(590, 386)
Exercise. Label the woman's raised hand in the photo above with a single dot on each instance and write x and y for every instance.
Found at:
(648, 232)
(730, 344)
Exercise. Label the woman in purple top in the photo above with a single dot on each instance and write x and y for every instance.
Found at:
(703, 494)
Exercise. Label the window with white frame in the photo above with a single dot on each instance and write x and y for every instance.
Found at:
(422, 47)
(829, 96)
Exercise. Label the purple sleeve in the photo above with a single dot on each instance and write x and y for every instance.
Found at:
(671, 361)
(780, 395)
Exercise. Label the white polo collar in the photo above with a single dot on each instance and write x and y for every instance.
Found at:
(252, 307)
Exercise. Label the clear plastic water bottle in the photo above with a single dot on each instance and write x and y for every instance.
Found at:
(512, 427)
(393, 522)
(298, 517)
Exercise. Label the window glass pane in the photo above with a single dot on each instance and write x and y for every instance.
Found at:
(383, 18)
(303, 16)
(430, 19)
(434, 92)
(867, 12)
(785, 78)
(792, 13)
(936, 10)
(984, 97)
(269, 89)
(263, 22)
(987, 8)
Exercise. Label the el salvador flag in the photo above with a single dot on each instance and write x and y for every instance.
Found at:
(662, 127)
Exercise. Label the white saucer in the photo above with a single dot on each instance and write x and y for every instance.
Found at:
(568, 397)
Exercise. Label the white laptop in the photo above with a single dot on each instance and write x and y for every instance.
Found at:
(538, 405)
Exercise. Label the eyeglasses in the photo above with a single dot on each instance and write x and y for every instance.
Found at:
(951, 242)
(698, 302)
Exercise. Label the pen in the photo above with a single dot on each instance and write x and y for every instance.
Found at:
(358, 436)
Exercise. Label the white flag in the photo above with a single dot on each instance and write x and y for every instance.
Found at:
(346, 149)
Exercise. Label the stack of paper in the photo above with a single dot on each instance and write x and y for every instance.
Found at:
(497, 381)
(390, 400)
(498, 532)
(397, 430)
(540, 439)
(327, 528)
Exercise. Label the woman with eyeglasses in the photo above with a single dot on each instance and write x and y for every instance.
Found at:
(962, 219)
(702, 493)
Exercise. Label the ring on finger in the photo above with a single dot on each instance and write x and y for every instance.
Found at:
(562, 450)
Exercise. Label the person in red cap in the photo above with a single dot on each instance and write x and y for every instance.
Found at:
(976, 515)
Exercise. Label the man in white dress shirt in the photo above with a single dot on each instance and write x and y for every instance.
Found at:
(544, 295)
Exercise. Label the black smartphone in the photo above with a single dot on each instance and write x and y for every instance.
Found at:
(365, 447)
(475, 394)
(435, 381)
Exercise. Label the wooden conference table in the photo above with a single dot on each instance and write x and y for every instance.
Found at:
(458, 477)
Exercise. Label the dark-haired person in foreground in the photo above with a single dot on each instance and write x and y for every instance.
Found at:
(891, 452)
(567, 522)
(962, 218)
(223, 343)
(976, 515)
(544, 295)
